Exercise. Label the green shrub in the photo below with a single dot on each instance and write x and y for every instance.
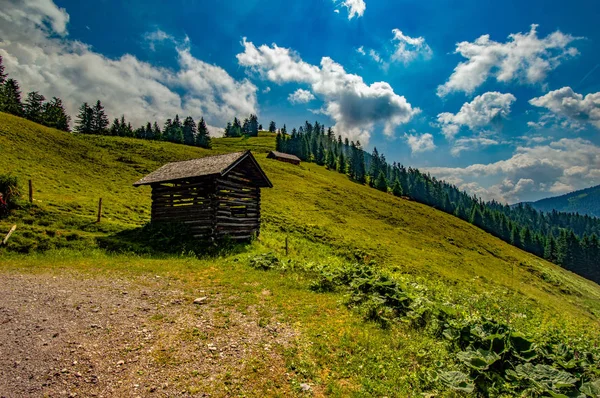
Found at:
(264, 262)
(10, 188)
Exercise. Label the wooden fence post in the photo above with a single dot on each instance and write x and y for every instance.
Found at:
(99, 210)
(286, 245)
(30, 191)
(9, 234)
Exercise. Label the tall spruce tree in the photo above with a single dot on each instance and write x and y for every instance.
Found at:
(11, 98)
(156, 131)
(320, 159)
(34, 106)
(397, 188)
(272, 127)
(189, 131)
(115, 128)
(341, 163)
(381, 182)
(84, 124)
(99, 121)
(203, 137)
(253, 126)
(54, 115)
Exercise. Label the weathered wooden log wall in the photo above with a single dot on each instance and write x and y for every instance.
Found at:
(191, 202)
(213, 208)
(238, 207)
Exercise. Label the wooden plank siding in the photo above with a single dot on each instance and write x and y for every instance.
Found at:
(212, 208)
(215, 197)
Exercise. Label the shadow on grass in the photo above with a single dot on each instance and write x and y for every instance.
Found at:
(168, 239)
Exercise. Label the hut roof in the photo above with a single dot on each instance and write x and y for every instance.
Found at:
(218, 165)
(285, 155)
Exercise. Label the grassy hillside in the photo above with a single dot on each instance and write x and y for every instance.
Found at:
(329, 220)
(584, 201)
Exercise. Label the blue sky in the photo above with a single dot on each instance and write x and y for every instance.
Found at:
(512, 116)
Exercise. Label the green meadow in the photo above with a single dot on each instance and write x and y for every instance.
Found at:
(340, 349)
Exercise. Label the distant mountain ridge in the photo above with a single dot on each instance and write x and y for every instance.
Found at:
(585, 201)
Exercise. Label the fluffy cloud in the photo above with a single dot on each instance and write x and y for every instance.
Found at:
(477, 114)
(355, 106)
(40, 14)
(558, 167)
(361, 50)
(158, 36)
(355, 7)
(420, 142)
(409, 48)
(73, 71)
(574, 110)
(301, 96)
(524, 58)
(471, 143)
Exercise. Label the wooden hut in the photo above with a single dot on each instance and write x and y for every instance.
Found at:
(216, 196)
(284, 157)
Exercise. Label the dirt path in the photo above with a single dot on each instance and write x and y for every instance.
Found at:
(72, 335)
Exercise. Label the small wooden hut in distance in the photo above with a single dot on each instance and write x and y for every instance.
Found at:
(216, 196)
(284, 157)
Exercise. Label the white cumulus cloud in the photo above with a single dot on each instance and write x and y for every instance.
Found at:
(477, 114)
(524, 58)
(420, 142)
(408, 48)
(471, 143)
(573, 109)
(356, 8)
(301, 96)
(355, 106)
(74, 72)
(557, 167)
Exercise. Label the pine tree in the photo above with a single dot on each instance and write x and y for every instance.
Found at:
(253, 126)
(375, 167)
(477, 217)
(527, 240)
(54, 115)
(115, 128)
(203, 137)
(515, 237)
(358, 163)
(397, 188)
(320, 159)
(99, 121)
(149, 133)
(11, 98)
(272, 127)
(189, 131)
(177, 122)
(234, 129)
(550, 249)
(84, 124)
(34, 106)
(381, 183)
(168, 130)
(156, 132)
(341, 163)
(228, 132)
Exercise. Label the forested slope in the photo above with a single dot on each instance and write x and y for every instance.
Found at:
(585, 201)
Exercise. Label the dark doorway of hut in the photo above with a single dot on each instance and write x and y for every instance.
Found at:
(213, 201)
